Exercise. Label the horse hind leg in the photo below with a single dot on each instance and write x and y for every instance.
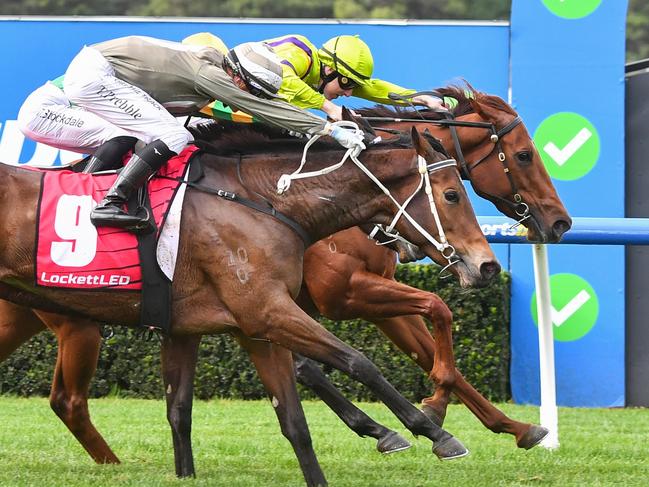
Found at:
(179, 356)
(310, 375)
(17, 325)
(75, 366)
(274, 365)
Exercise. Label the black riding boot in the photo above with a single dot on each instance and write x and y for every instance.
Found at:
(109, 155)
(110, 212)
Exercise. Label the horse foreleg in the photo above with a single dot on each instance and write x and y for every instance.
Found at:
(310, 375)
(274, 365)
(290, 327)
(79, 342)
(17, 325)
(377, 299)
(411, 335)
(179, 356)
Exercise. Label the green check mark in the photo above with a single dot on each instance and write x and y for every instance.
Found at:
(572, 9)
(574, 309)
(569, 145)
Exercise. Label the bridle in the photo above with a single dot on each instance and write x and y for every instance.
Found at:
(516, 203)
(424, 169)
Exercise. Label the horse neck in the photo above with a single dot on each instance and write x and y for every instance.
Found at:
(469, 138)
(326, 204)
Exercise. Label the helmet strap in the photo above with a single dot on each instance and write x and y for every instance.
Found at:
(326, 78)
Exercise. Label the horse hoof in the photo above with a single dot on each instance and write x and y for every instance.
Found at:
(392, 443)
(449, 449)
(432, 415)
(532, 437)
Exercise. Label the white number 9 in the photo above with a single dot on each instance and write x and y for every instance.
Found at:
(72, 223)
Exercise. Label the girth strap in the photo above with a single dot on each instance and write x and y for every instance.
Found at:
(268, 210)
(196, 174)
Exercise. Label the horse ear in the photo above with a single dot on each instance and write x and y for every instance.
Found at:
(417, 140)
(360, 121)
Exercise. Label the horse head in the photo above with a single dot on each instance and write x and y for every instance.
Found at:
(505, 167)
(496, 153)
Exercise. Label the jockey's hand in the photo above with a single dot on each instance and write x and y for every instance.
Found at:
(431, 102)
(333, 111)
(348, 138)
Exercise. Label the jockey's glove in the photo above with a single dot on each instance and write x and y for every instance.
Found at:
(348, 138)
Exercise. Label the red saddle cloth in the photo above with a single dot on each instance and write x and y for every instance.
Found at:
(71, 252)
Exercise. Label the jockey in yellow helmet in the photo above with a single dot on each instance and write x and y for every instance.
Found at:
(343, 66)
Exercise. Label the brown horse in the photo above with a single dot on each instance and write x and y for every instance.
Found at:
(357, 267)
(347, 276)
(208, 297)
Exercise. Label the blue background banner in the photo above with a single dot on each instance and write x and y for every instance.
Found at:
(418, 55)
(573, 65)
(567, 83)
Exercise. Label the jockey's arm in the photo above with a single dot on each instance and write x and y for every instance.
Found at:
(213, 82)
(378, 91)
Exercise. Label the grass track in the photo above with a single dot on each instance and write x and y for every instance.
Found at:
(238, 443)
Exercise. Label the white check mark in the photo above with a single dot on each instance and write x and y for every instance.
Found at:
(561, 156)
(559, 317)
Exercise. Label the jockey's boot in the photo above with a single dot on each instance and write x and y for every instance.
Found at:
(110, 212)
(109, 155)
(95, 164)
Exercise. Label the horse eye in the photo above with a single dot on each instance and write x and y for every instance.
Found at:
(452, 196)
(524, 157)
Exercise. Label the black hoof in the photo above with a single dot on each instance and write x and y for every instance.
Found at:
(532, 437)
(392, 443)
(432, 415)
(449, 449)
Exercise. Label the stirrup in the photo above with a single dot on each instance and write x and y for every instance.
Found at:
(146, 224)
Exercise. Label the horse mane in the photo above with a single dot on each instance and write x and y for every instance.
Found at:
(468, 101)
(229, 138)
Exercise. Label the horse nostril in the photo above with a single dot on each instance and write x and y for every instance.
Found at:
(559, 228)
(489, 270)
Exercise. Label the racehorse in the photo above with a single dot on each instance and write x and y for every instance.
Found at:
(356, 280)
(357, 272)
(260, 311)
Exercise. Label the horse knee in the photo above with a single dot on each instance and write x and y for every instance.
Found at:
(362, 369)
(73, 411)
(306, 371)
(297, 434)
(179, 417)
(58, 404)
(438, 310)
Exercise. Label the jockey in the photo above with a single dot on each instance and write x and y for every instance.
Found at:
(46, 110)
(133, 87)
(343, 66)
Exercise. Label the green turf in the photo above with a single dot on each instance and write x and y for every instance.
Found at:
(238, 443)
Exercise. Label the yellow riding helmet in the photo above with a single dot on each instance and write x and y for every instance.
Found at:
(349, 56)
(206, 39)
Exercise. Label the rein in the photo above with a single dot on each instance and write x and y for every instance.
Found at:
(518, 205)
(443, 246)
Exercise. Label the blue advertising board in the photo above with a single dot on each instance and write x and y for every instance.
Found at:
(567, 62)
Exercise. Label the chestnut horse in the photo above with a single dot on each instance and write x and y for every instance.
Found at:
(356, 268)
(347, 276)
(260, 311)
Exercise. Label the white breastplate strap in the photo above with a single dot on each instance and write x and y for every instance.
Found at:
(447, 250)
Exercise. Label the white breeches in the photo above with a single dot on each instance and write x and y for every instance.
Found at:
(47, 116)
(107, 106)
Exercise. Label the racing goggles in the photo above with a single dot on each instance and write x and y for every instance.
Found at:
(346, 83)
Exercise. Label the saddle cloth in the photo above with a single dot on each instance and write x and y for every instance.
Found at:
(72, 253)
